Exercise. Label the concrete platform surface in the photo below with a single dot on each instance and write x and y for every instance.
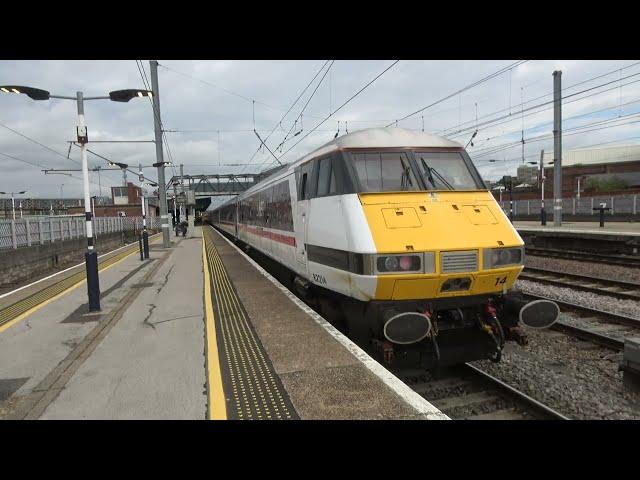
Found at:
(325, 375)
(141, 357)
(147, 354)
(610, 228)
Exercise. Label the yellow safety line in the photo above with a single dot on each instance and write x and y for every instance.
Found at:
(34, 309)
(217, 404)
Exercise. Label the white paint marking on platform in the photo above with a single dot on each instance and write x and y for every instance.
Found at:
(420, 404)
(65, 270)
(621, 233)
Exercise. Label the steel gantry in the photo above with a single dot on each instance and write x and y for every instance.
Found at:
(217, 184)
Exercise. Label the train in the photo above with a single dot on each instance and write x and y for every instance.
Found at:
(392, 235)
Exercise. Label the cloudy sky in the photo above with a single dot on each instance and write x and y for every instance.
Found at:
(208, 110)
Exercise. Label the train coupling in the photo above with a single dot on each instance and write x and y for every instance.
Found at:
(517, 335)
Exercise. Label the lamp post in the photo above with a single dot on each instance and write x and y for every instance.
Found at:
(13, 201)
(91, 256)
(145, 234)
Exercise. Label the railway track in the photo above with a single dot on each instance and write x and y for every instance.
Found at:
(614, 288)
(604, 328)
(466, 392)
(631, 261)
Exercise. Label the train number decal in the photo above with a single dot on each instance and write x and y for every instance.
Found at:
(319, 278)
(501, 281)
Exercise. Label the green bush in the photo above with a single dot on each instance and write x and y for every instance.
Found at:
(607, 184)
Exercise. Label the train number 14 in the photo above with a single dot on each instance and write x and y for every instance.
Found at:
(501, 281)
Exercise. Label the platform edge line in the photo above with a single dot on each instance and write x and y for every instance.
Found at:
(217, 406)
(420, 404)
(37, 307)
(69, 268)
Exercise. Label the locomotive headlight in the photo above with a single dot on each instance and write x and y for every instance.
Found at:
(401, 263)
(500, 257)
(389, 264)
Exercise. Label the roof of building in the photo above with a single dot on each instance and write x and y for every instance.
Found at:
(597, 155)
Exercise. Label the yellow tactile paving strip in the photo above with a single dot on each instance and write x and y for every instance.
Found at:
(253, 390)
(22, 307)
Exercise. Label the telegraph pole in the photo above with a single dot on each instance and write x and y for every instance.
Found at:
(159, 153)
(557, 148)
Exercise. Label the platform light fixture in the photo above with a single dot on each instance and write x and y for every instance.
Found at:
(91, 255)
(126, 95)
(33, 93)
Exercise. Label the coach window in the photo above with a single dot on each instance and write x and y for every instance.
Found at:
(304, 189)
(324, 177)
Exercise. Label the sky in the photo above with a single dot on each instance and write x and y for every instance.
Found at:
(210, 108)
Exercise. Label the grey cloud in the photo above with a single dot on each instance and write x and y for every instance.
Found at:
(190, 104)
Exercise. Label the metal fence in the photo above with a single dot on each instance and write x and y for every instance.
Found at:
(619, 205)
(26, 232)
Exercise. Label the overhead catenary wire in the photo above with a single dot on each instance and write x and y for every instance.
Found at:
(447, 131)
(583, 129)
(539, 125)
(549, 104)
(42, 167)
(468, 87)
(299, 117)
(66, 157)
(288, 110)
(38, 143)
(564, 89)
(341, 106)
(230, 92)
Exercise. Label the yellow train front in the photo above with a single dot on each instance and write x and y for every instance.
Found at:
(444, 271)
(393, 236)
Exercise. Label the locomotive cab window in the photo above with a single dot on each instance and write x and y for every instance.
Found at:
(385, 172)
(303, 176)
(445, 171)
(326, 178)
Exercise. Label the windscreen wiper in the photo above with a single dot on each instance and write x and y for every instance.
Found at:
(406, 178)
(431, 170)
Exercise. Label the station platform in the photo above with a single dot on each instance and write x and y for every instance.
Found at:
(628, 229)
(196, 331)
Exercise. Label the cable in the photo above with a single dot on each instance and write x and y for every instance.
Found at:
(468, 87)
(510, 117)
(38, 143)
(578, 127)
(230, 92)
(341, 106)
(290, 108)
(444, 131)
(305, 105)
(41, 166)
(548, 137)
(564, 119)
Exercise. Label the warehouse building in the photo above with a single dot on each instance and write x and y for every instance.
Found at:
(585, 172)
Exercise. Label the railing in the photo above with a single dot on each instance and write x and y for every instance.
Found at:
(619, 205)
(26, 232)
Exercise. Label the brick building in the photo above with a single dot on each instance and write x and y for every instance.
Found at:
(125, 201)
(597, 171)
